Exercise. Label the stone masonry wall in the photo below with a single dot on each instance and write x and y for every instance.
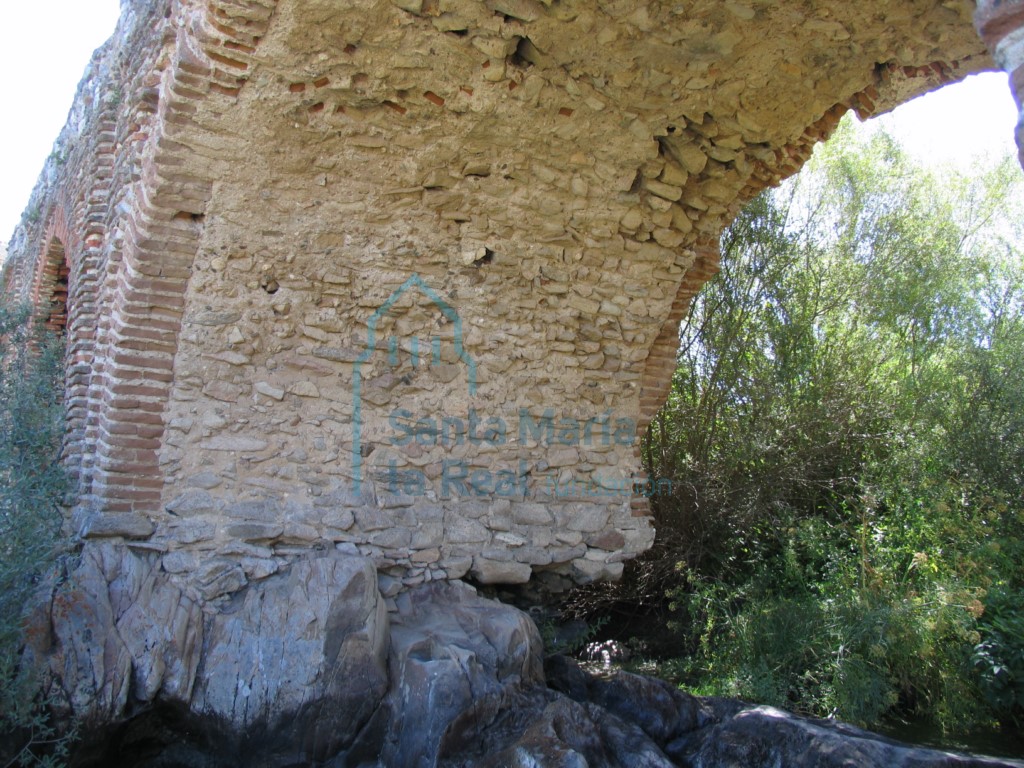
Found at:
(405, 278)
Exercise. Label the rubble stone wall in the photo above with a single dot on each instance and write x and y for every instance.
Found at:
(405, 278)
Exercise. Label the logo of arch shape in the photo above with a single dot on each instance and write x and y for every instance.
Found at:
(415, 281)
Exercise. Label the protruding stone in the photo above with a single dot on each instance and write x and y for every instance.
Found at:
(412, 6)
(529, 513)
(219, 577)
(662, 190)
(524, 10)
(99, 525)
(673, 175)
(692, 158)
(495, 572)
(180, 562)
(234, 443)
(265, 388)
(193, 502)
(305, 389)
(254, 531)
(460, 530)
(205, 480)
(264, 511)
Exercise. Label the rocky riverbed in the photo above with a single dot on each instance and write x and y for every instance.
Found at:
(316, 665)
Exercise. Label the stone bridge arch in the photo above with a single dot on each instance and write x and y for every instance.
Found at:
(246, 180)
(243, 184)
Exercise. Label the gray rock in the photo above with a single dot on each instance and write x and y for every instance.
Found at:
(219, 577)
(530, 513)
(193, 502)
(550, 731)
(764, 737)
(369, 520)
(129, 525)
(345, 498)
(303, 658)
(721, 733)
(188, 531)
(342, 520)
(461, 530)
(393, 538)
(263, 511)
(108, 632)
(213, 317)
(234, 443)
(254, 531)
(662, 711)
(395, 500)
(450, 648)
(298, 660)
(294, 669)
(180, 561)
(257, 568)
(488, 571)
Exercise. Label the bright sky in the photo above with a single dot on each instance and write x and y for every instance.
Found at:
(965, 124)
(49, 43)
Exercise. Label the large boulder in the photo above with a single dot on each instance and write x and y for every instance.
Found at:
(300, 665)
(547, 729)
(759, 737)
(450, 648)
(290, 667)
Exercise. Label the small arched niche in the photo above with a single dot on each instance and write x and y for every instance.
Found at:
(53, 289)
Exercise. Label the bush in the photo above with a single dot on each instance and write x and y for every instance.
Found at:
(32, 487)
(832, 648)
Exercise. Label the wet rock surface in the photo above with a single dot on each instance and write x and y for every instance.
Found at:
(313, 666)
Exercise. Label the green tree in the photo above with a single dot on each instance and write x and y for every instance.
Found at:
(844, 435)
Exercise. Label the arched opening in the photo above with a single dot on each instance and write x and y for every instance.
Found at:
(57, 322)
(52, 290)
(846, 445)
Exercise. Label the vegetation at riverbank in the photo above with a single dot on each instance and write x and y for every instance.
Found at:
(32, 487)
(845, 437)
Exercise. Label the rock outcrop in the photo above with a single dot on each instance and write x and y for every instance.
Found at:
(298, 661)
(309, 667)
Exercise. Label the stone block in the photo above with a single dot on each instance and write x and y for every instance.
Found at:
(527, 513)
(236, 443)
(460, 530)
(99, 525)
(263, 510)
(392, 538)
(217, 578)
(194, 502)
(254, 531)
(496, 572)
(180, 561)
(205, 480)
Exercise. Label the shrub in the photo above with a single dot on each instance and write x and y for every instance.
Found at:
(32, 487)
(845, 440)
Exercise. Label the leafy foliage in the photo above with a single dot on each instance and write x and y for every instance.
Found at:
(845, 436)
(32, 486)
